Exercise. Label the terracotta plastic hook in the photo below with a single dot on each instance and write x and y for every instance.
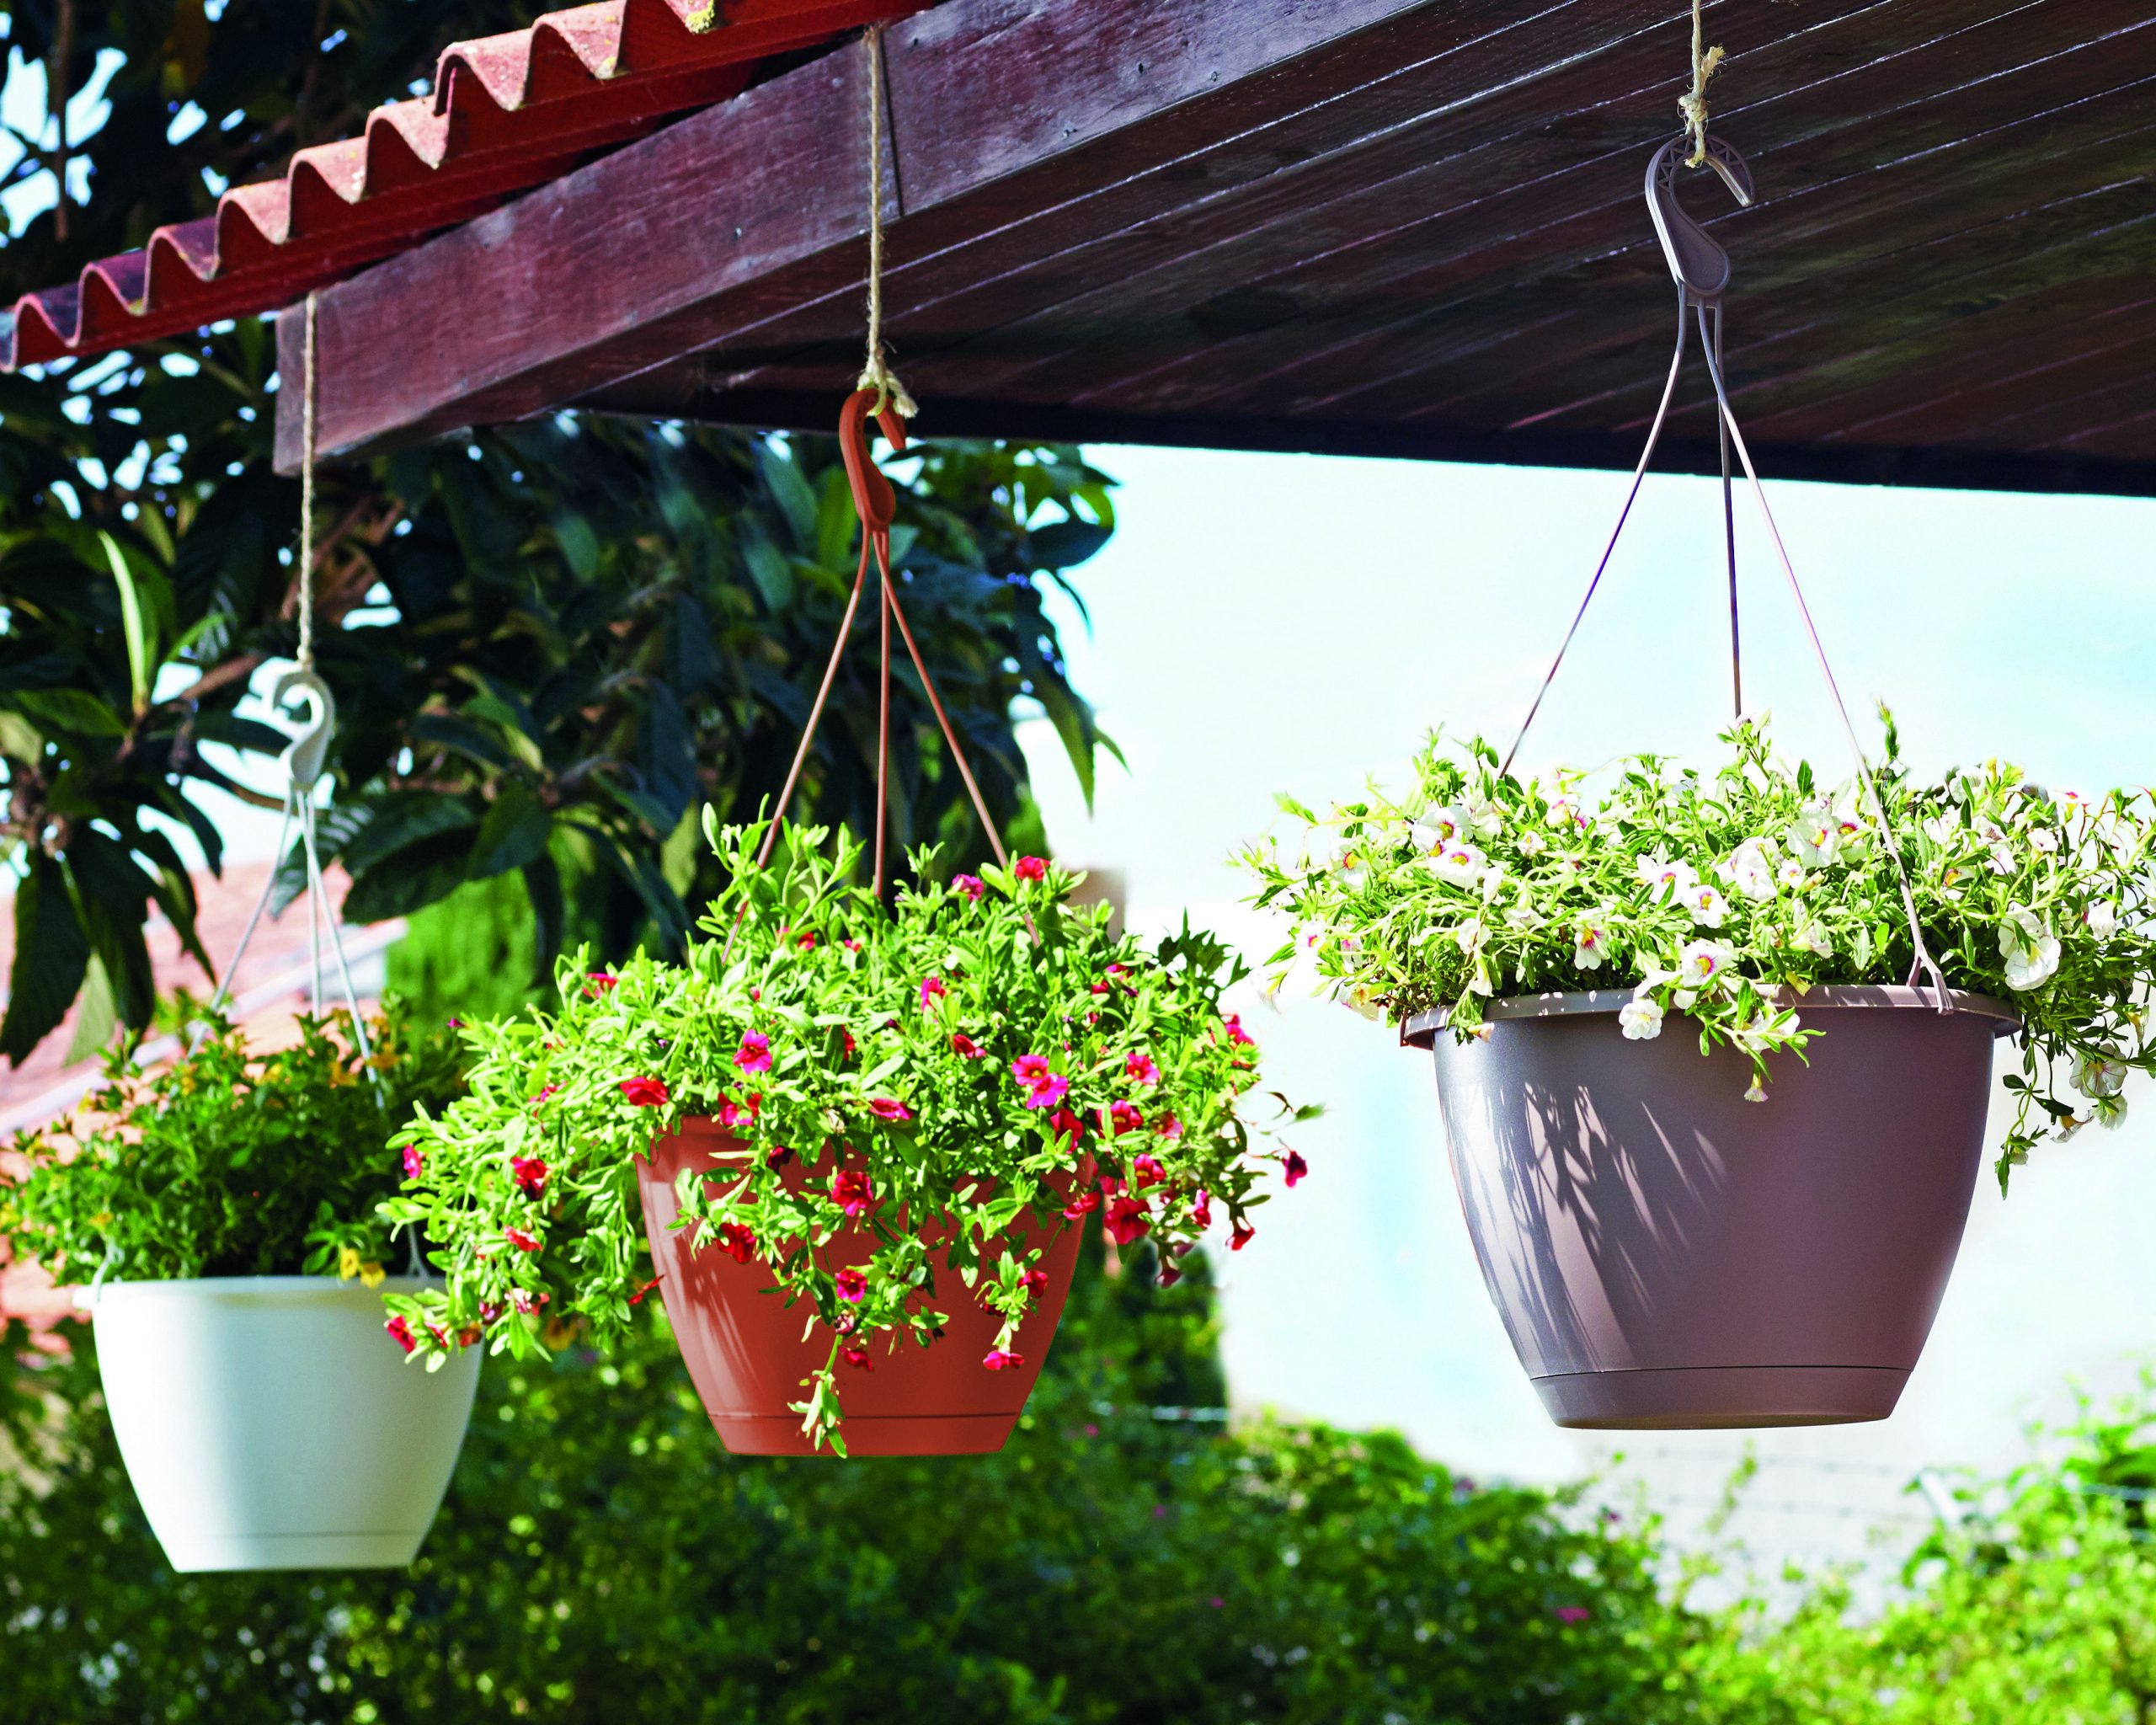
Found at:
(1700, 266)
(873, 496)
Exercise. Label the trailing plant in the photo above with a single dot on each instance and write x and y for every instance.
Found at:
(231, 1163)
(1724, 899)
(984, 1061)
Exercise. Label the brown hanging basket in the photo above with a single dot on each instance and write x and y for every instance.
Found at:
(1668, 1255)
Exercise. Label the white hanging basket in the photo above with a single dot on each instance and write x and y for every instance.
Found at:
(269, 1423)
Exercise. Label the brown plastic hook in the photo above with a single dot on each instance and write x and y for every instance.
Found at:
(1700, 266)
(876, 504)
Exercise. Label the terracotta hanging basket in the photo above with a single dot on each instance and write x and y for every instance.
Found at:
(747, 1355)
(1668, 1255)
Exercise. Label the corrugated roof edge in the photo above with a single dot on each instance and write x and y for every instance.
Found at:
(506, 113)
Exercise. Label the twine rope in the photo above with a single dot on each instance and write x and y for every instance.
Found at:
(877, 374)
(306, 657)
(1693, 104)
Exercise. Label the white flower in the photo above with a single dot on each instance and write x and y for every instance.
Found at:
(1590, 946)
(1457, 864)
(2096, 1078)
(1683, 999)
(2002, 858)
(2029, 948)
(1812, 936)
(2044, 839)
(1943, 830)
(1439, 827)
(2110, 1113)
(1360, 1001)
(2102, 918)
(1532, 843)
(1666, 879)
(1817, 838)
(1640, 1019)
(1757, 1093)
(1471, 937)
(1702, 961)
(1485, 816)
(1524, 917)
(2072, 804)
(1791, 875)
(1750, 869)
(1706, 903)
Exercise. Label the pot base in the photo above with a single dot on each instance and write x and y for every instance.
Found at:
(869, 1433)
(1717, 1398)
(295, 1550)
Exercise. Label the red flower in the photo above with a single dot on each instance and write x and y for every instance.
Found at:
(1081, 1205)
(1146, 1170)
(1124, 1117)
(520, 1240)
(966, 1048)
(850, 944)
(413, 1161)
(1096, 988)
(1128, 1218)
(637, 1298)
(932, 988)
(470, 1336)
(888, 1108)
(852, 1286)
(777, 1156)
(530, 1173)
(755, 1053)
(1030, 1070)
(490, 1310)
(400, 1332)
(599, 981)
(996, 1360)
(646, 1093)
(737, 1240)
(1573, 1614)
(851, 1192)
(1240, 1236)
(1066, 1125)
(732, 1113)
(1168, 1276)
(845, 1043)
(805, 941)
(969, 884)
(857, 1358)
(1035, 1281)
(1048, 1092)
(1031, 868)
(1141, 1069)
(527, 1303)
(1201, 1208)
(547, 1090)
(1296, 1166)
(1168, 1126)
(1237, 1034)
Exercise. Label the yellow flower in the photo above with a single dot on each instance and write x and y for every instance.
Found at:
(348, 1262)
(372, 1274)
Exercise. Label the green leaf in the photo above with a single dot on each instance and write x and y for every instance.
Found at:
(411, 879)
(52, 956)
(115, 896)
(135, 623)
(543, 884)
(783, 478)
(97, 1016)
(514, 834)
(70, 712)
(1063, 545)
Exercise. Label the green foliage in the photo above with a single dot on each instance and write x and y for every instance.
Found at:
(601, 1561)
(1726, 899)
(545, 639)
(229, 1163)
(954, 1057)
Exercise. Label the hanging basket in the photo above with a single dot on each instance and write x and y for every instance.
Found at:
(747, 1354)
(1666, 1254)
(268, 1422)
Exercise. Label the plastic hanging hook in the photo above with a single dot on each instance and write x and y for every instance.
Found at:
(1700, 266)
(873, 496)
(307, 754)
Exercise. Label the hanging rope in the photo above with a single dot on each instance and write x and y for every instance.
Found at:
(306, 488)
(877, 373)
(1692, 105)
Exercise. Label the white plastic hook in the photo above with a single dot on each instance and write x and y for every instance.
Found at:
(1700, 266)
(308, 753)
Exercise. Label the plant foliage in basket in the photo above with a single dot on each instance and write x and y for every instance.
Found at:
(231, 1163)
(1727, 898)
(984, 1056)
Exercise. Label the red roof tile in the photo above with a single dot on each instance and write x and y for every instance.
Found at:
(507, 112)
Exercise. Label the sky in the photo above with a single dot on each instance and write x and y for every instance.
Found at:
(1265, 623)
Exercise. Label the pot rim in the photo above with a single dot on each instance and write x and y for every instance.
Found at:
(1421, 1031)
(252, 1291)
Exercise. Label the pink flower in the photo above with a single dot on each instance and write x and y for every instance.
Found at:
(1140, 1069)
(857, 1358)
(400, 1332)
(454, 1023)
(546, 1090)
(530, 1173)
(851, 1192)
(737, 1240)
(806, 942)
(1048, 1092)
(852, 1286)
(1237, 1034)
(1146, 1170)
(1066, 1125)
(598, 982)
(1081, 1205)
(850, 944)
(969, 884)
(1572, 1614)
(888, 1108)
(755, 1053)
(966, 1048)
(1128, 1219)
(1296, 1166)
(527, 1303)
(1031, 868)
(1168, 1125)
(1201, 1208)
(646, 1093)
(413, 1161)
(1030, 1069)
(1124, 1117)
(1241, 1235)
(996, 1360)
(732, 1113)
(932, 988)
(522, 1241)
